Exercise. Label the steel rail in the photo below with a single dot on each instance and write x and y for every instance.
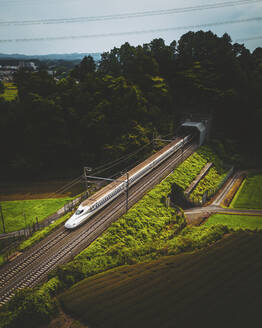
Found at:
(30, 273)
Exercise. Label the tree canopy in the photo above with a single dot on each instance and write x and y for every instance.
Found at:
(105, 109)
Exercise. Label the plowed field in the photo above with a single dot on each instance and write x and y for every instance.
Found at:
(215, 287)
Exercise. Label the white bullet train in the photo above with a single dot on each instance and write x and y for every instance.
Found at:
(89, 207)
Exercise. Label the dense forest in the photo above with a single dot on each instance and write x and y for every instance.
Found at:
(107, 109)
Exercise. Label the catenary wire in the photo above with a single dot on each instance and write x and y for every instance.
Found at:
(101, 169)
(109, 165)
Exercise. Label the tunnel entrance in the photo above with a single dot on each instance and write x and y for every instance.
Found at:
(197, 129)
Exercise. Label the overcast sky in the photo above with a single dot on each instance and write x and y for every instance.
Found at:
(17, 11)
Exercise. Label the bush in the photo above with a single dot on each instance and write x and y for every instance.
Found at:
(29, 308)
(192, 238)
(145, 232)
(148, 231)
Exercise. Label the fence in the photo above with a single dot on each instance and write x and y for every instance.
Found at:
(9, 242)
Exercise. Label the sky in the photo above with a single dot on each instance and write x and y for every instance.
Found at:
(24, 21)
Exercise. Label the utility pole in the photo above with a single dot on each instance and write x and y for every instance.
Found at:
(86, 170)
(127, 190)
(109, 179)
(2, 216)
(183, 149)
(25, 219)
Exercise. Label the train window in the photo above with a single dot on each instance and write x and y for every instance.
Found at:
(78, 212)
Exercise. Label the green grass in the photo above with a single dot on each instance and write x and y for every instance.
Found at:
(39, 235)
(210, 182)
(216, 287)
(235, 222)
(147, 231)
(191, 167)
(10, 92)
(2, 260)
(250, 195)
(13, 211)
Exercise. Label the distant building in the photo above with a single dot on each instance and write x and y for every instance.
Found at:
(51, 72)
(28, 65)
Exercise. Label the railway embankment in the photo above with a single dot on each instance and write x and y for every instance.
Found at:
(200, 176)
(147, 232)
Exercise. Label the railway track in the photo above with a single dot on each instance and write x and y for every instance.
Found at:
(33, 265)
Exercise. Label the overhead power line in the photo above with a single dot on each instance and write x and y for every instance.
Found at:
(249, 39)
(187, 27)
(130, 15)
(116, 162)
(65, 187)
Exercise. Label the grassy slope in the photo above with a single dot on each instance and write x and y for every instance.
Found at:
(236, 222)
(41, 234)
(13, 211)
(215, 287)
(10, 92)
(147, 230)
(209, 182)
(250, 195)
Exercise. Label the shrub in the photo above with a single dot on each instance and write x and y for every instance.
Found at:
(29, 308)
(146, 231)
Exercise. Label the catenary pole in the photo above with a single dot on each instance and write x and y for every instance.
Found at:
(2, 217)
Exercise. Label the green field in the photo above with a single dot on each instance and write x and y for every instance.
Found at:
(14, 211)
(216, 287)
(250, 193)
(235, 221)
(10, 92)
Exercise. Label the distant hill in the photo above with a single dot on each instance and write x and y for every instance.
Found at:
(69, 57)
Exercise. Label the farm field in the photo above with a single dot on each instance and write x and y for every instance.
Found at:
(250, 193)
(235, 222)
(219, 286)
(10, 91)
(13, 211)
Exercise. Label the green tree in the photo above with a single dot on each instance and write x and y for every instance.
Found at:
(87, 66)
(2, 87)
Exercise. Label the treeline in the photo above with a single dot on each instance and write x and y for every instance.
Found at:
(111, 108)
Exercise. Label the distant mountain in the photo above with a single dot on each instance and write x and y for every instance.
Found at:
(69, 57)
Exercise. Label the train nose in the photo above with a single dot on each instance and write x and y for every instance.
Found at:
(70, 225)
